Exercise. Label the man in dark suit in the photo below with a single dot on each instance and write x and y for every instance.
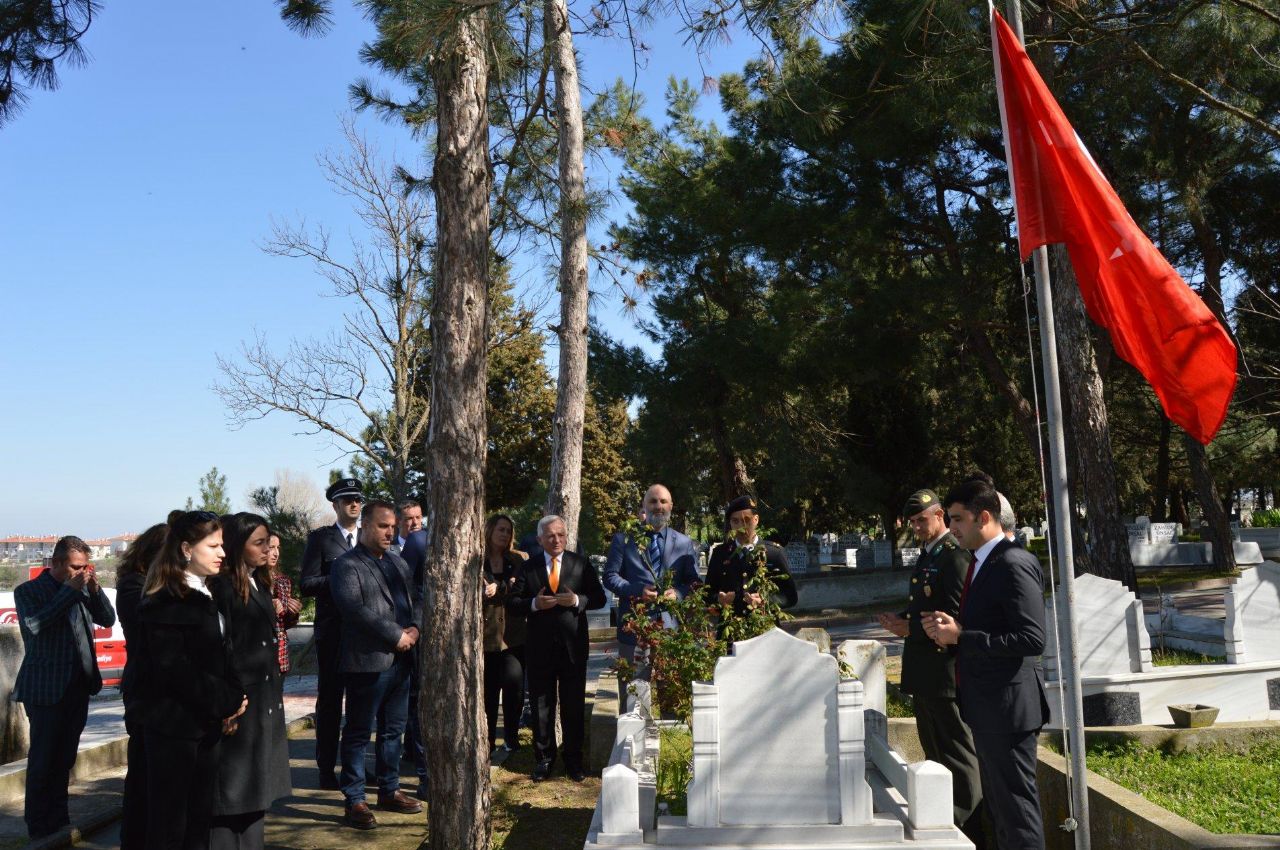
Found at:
(56, 614)
(372, 591)
(554, 592)
(1000, 634)
(670, 558)
(324, 546)
(929, 670)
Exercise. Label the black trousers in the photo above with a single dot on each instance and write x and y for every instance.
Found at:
(553, 680)
(504, 676)
(133, 819)
(328, 701)
(1008, 762)
(55, 738)
(182, 776)
(947, 740)
(246, 831)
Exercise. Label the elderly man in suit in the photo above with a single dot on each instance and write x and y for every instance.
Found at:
(634, 575)
(372, 589)
(324, 546)
(1000, 633)
(554, 591)
(56, 614)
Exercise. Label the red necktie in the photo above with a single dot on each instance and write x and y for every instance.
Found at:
(968, 580)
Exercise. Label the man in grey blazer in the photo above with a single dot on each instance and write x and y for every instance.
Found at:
(372, 589)
(57, 611)
(632, 575)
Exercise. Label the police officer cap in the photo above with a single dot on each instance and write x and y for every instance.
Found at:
(919, 500)
(742, 503)
(344, 487)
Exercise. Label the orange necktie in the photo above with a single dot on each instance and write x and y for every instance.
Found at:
(554, 579)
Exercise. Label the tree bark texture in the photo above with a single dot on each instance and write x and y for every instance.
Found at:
(1215, 515)
(564, 495)
(1108, 539)
(451, 698)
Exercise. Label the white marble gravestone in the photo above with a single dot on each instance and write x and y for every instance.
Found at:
(812, 756)
(1253, 615)
(1112, 634)
(1164, 532)
(909, 556)
(797, 558)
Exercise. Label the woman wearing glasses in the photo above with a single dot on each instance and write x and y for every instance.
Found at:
(253, 771)
(188, 697)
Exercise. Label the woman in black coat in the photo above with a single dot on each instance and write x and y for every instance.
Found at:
(253, 771)
(187, 696)
(131, 575)
(504, 634)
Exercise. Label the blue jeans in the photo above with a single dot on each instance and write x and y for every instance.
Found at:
(381, 700)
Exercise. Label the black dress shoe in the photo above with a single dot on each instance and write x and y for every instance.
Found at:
(575, 772)
(328, 781)
(542, 771)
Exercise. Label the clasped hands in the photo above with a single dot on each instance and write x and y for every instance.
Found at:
(293, 606)
(408, 637)
(650, 593)
(547, 600)
(726, 597)
(231, 725)
(941, 627)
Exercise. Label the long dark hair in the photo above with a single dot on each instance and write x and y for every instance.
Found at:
(142, 551)
(238, 529)
(168, 570)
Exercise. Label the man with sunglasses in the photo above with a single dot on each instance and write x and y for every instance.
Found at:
(57, 611)
(324, 546)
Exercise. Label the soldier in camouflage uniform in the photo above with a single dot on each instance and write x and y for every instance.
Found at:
(929, 671)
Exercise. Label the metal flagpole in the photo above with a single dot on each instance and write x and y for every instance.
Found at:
(1068, 672)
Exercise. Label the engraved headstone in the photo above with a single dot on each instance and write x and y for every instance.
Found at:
(1163, 532)
(797, 558)
(909, 556)
(883, 553)
(1138, 533)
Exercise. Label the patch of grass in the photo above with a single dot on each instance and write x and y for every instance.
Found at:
(1169, 657)
(1221, 789)
(549, 815)
(898, 704)
(1163, 578)
(675, 768)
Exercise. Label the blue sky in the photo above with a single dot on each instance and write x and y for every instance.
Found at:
(133, 200)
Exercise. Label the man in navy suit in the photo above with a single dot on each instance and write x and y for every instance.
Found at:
(554, 591)
(1000, 634)
(56, 614)
(324, 546)
(630, 574)
(371, 588)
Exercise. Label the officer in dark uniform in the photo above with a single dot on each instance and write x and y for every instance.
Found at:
(324, 546)
(730, 563)
(929, 671)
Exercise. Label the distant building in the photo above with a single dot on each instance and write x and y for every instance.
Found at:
(23, 548)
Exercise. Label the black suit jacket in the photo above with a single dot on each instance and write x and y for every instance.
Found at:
(364, 599)
(559, 633)
(186, 685)
(128, 597)
(324, 546)
(998, 673)
(936, 584)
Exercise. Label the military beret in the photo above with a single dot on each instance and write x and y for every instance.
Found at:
(344, 487)
(742, 503)
(919, 500)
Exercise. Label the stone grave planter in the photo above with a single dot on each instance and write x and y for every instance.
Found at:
(1193, 715)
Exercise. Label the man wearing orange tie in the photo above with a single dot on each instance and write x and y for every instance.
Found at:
(554, 591)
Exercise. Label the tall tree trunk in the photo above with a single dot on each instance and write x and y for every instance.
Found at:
(564, 496)
(1215, 516)
(1023, 413)
(1108, 540)
(734, 481)
(1162, 512)
(451, 698)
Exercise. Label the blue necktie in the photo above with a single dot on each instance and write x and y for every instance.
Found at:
(655, 555)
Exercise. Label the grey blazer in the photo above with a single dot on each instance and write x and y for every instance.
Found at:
(363, 600)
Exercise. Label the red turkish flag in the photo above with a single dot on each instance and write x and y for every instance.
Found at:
(1157, 322)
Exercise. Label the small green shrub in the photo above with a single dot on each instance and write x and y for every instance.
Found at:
(1266, 519)
(1168, 657)
(675, 768)
(898, 704)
